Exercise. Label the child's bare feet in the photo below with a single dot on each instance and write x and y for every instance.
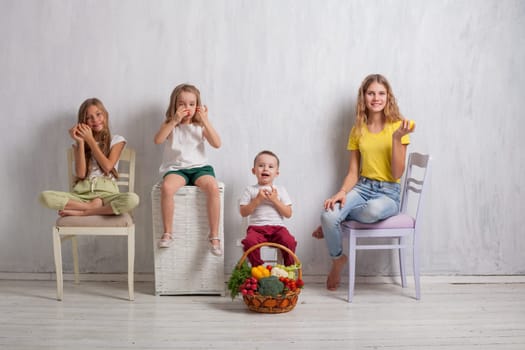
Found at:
(318, 233)
(95, 203)
(71, 212)
(334, 277)
(82, 208)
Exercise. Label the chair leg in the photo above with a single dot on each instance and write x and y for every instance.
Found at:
(74, 248)
(402, 269)
(415, 256)
(131, 263)
(352, 241)
(57, 252)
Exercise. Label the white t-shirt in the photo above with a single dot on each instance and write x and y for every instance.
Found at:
(184, 149)
(265, 213)
(95, 169)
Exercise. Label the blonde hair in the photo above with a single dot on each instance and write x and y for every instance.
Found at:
(391, 111)
(172, 108)
(102, 137)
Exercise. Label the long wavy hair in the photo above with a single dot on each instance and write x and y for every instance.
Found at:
(172, 108)
(391, 111)
(103, 137)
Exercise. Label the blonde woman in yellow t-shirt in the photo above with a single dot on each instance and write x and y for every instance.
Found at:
(370, 190)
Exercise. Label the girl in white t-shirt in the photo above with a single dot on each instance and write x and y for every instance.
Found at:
(96, 154)
(184, 161)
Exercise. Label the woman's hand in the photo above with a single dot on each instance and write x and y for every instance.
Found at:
(406, 127)
(339, 197)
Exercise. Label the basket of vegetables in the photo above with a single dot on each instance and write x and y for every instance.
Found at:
(267, 289)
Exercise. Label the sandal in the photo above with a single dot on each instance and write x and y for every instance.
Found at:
(215, 250)
(166, 240)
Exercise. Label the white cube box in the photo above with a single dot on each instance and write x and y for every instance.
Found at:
(187, 266)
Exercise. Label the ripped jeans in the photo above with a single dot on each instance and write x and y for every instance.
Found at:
(369, 201)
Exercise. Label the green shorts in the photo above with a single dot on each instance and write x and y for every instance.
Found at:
(191, 175)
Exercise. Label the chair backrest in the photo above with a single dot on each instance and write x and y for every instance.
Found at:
(417, 174)
(126, 169)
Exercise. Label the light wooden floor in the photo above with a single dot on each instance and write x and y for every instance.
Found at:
(96, 315)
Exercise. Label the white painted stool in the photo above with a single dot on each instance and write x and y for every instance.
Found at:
(187, 266)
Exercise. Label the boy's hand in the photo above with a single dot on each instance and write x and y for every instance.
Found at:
(269, 193)
(261, 195)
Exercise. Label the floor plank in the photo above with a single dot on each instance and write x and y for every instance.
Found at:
(97, 315)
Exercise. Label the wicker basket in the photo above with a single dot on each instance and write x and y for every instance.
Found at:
(269, 304)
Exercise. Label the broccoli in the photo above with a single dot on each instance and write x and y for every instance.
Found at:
(270, 286)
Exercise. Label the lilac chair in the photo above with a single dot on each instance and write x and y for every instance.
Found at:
(399, 227)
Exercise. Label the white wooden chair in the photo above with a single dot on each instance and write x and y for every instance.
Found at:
(399, 227)
(70, 227)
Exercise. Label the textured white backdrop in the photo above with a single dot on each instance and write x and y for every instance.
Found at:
(279, 75)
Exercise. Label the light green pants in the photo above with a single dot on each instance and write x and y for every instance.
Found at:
(86, 190)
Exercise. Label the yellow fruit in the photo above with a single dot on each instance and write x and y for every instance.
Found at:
(257, 273)
(411, 125)
(260, 271)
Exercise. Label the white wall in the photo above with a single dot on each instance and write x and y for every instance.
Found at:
(279, 75)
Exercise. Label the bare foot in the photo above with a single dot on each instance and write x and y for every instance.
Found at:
(318, 233)
(334, 277)
(71, 212)
(96, 203)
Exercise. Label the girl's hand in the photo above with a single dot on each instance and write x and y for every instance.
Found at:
(73, 132)
(85, 133)
(180, 115)
(339, 197)
(201, 114)
(406, 127)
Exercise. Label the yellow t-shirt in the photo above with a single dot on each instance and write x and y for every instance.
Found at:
(376, 151)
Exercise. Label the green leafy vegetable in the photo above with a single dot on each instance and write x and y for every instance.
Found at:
(237, 278)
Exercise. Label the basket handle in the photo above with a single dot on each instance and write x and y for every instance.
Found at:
(275, 245)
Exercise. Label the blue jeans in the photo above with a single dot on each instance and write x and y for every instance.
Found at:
(369, 201)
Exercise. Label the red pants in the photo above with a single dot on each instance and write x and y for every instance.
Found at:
(268, 233)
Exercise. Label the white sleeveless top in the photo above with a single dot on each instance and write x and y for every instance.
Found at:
(184, 149)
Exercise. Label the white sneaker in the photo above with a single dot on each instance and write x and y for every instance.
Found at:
(166, 240)
(215, 250)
